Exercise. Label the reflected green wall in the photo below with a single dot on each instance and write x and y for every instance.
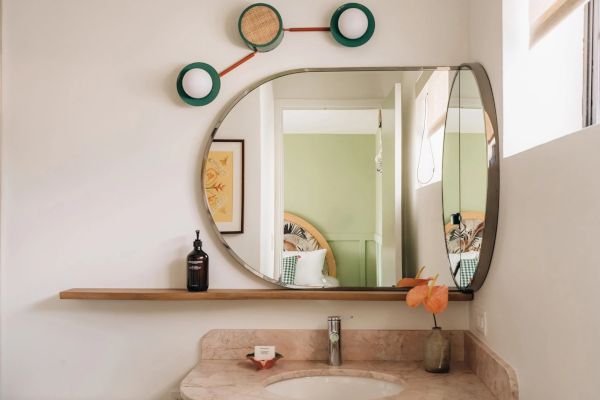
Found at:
(329, 179)
(472, 170)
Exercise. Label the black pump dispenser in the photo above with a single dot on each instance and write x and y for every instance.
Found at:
(197, 242)
(197, 267)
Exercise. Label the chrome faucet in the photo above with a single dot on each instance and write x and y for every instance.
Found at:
(335, 340)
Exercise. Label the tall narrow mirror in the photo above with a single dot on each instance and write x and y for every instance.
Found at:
(470, 158)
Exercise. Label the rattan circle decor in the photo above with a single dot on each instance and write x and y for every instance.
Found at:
(261, 27)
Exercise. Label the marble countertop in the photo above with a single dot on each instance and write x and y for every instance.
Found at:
(239, 379)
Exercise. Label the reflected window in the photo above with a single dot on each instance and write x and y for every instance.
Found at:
(430, 117)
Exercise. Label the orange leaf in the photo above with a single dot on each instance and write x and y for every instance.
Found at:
(437, 301)
(416, 295)
(411, 282)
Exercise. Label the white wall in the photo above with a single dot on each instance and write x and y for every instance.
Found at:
(267, 180)
(540, 293)
(349, 85)
(100, 181)
(423, 203)
(245, 122)
(431, 249)
(391, 180)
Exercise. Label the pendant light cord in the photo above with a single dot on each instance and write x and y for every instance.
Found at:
(425, 182)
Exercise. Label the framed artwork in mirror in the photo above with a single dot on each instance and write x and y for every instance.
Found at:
(224, 184)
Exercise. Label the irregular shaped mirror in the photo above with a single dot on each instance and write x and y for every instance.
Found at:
(332, 178)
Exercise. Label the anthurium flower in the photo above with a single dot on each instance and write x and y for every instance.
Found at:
(437, 299)
(433, 297)
(417, 295)
(412, 282)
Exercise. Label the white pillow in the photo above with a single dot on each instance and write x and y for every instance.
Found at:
(469, 255)
(454, 260)
(330, 281)
(309, 268)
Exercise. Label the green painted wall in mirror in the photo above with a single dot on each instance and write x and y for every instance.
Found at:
(471, 150)
(329, 179)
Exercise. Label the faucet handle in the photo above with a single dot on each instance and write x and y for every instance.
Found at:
(334, 325)
(334, 337)
(339, 318)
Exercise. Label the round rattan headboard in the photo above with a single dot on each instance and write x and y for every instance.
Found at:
(301, 235)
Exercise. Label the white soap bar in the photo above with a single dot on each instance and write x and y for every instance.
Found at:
(262, 353)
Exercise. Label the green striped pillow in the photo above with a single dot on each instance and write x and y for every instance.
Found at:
(288, 269)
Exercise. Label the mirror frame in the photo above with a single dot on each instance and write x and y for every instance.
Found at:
(493, 177)
(487, 102)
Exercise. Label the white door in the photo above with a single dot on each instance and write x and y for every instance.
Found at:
(389, 225)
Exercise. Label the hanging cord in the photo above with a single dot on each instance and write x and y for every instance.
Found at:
(421, 148)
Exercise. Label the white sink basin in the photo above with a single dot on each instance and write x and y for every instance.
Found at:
(329, 387)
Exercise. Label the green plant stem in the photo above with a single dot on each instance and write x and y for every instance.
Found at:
(434, 321)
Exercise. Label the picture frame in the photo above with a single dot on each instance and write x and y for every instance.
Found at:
(224, 184)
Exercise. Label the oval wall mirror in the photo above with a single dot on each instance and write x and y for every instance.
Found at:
(470, 177)
(332, 178)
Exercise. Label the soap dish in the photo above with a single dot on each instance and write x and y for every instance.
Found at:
(263, 364)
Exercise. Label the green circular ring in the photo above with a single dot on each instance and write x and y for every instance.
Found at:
(216, 80)
(267, 46)
(337, 35)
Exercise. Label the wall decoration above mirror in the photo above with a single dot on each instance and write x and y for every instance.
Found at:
(198, 84)
(261, 29)
(333, 175)
(352, 25)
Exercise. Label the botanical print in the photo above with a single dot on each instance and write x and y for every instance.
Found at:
(218, 176)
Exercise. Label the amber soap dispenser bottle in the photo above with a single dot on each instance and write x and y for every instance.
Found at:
(197, 267)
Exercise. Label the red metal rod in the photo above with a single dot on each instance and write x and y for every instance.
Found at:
(236, 64)
(313, 29)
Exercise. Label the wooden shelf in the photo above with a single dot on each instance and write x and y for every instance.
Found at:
(245, 294)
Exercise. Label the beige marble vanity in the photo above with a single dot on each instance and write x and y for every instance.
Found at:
(230, 379)
(392, 356)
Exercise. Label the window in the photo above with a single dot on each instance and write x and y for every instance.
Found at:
(545, 15)
(542, 75)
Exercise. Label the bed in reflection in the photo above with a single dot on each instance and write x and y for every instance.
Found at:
(464, 244)
(307, 259)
